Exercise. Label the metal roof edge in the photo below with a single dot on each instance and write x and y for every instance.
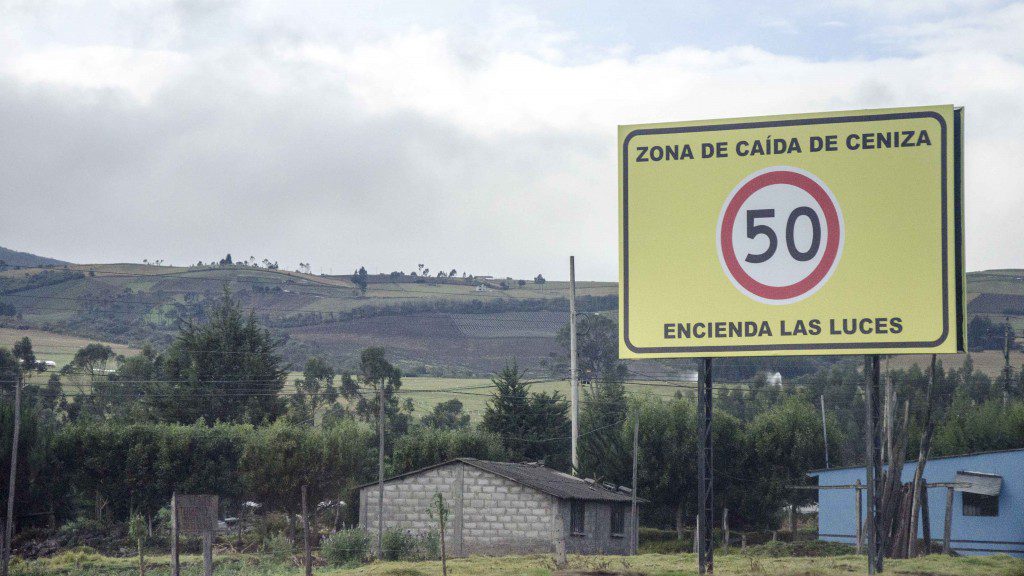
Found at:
(818, 471)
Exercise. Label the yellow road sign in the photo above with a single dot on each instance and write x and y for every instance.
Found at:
(833, 233)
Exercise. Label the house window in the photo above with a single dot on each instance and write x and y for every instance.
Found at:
(577, 517)
(980, 505)
(618, 527)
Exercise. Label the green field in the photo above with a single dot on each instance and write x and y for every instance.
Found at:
(60, 348)
(474, 393)
(735, 564)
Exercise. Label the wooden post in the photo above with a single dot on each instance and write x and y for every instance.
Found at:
(743, 541)
(305, 533)
(696, 539)
(207, 553)
(444, 550)
(380, 471)
(725, 528)
(775, 535)
(860, 518)
(175, 560)
(920, 485)
(634, 522)
(792, 522)
(946, 534)
(9, 525)
(926, 523)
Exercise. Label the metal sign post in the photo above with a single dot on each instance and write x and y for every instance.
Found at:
(705, 475)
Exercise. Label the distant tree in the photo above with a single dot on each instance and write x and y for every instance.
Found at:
(23, 352)
(425, 272)
(539, 279)
(314, 390)
(441, 274)
(359, 279)
(521, 283)
(93, 357)
(226, 261)
(452, 273)
(447, 415)
(597, 349)
(376, 374)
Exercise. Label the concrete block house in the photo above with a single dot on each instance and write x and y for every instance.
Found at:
(505, 508)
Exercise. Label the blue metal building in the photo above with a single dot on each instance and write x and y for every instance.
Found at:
(988, 501)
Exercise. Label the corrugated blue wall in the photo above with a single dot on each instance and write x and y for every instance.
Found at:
(837, 518)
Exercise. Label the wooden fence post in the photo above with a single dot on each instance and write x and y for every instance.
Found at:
(725, 528)
(305, 534)
(175, 560)
(949, 521)
(860, 518)
(208, 553)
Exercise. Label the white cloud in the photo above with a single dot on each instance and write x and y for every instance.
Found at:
(488, 150)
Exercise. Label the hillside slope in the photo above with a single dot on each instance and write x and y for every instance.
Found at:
(10, 257)
(438, 326)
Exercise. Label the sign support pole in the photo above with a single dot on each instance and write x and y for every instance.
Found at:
(705, 474)
(574, 375)
(872, 374)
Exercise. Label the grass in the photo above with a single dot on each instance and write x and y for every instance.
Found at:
(60, 348)
(474, 393)
(989, 362)
(735, 564)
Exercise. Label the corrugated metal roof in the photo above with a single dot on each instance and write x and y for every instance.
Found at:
(536, 476)
(914, 461)
(978, 483)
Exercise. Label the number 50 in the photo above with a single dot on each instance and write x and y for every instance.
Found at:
(754, 230)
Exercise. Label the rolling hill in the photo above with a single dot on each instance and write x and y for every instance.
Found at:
(10, 257)
(431, 326)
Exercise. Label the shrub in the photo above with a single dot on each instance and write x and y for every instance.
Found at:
(278, 547)
(346, 546)
(398, 544)
(402, 545)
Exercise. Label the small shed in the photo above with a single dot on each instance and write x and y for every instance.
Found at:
(988, 501)
(505, 508)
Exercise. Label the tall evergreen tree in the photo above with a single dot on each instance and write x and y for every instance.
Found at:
(225, 370)
(531, 426)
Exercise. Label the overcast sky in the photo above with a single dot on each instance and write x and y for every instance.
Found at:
(471, 135)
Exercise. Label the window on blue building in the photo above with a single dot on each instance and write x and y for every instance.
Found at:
(980, 505)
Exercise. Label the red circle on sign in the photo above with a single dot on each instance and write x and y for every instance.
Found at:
(828, 208)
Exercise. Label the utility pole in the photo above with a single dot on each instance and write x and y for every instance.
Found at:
(9, 528)
(574, 376)
(1007, 371)
(824, 430)
(380, 470)
(634, 521)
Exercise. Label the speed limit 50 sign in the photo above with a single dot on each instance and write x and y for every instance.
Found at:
(835, 233)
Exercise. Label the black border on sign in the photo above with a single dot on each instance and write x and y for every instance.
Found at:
(835, 347)
(958, 227)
